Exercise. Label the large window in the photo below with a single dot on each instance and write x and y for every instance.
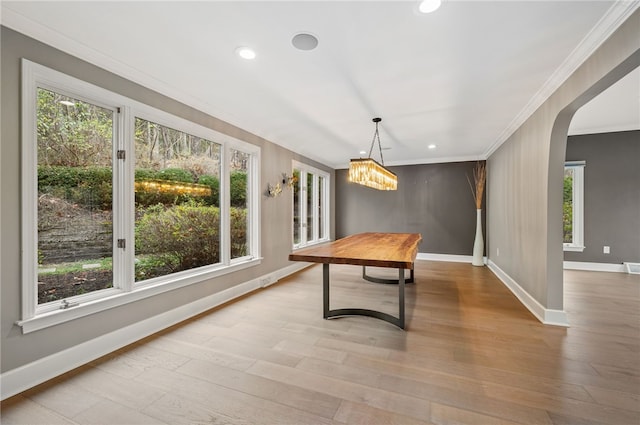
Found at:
(122, 201)
(573, 206)
(310, 205)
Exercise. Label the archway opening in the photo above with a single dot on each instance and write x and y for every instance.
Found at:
(630, 69)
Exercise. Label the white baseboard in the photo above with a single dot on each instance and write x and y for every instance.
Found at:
(594, 267)
(545, 315)
(24, 377)
(446, 257)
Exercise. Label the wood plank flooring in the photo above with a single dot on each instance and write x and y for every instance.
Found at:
(472, 354)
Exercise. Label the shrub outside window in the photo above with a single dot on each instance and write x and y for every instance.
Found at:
(240, 214)
(122, 201)
(177, 201)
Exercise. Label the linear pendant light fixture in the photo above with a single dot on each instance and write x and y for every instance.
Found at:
(370, 173)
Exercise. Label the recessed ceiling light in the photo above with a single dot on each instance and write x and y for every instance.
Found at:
(67, 103)
(431, 146)
(246, 53)
(428, 6)
(304, 41)
(363, 152)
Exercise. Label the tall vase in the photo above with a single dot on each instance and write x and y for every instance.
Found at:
(478, 244)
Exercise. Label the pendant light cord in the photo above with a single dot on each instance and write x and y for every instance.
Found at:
(376, 134)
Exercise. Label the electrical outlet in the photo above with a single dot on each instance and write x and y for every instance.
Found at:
(606, 250)
(266, 281)
(497, 252)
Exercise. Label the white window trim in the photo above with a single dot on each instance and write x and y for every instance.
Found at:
(304, 169)
(34, 316)
(577, 244)
(111, 298)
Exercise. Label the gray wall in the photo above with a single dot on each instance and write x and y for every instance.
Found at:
(18, 349)
(432, 199)
(611, 195)
(524, 199)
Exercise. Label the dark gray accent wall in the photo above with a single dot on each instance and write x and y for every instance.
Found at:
(432, 199)
(611, 195)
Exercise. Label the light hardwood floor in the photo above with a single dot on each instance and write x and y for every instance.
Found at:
(472, 354)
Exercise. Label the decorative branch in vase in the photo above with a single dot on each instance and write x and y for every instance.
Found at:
(477, 190)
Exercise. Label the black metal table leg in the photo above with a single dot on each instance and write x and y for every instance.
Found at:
(401, 297)
(325, 289)
(366, 277)
(328, 313)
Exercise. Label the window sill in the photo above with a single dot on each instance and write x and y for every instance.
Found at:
(573, 248)
(307, 245)
(115, 298)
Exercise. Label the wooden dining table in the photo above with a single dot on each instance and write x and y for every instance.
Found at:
(390, 250)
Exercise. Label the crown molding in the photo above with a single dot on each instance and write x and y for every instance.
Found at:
(599, 130)
(421, 161)
(606, 26)
(24, 25)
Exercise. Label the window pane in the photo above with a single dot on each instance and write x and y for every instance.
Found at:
(309, 205)
(75, 193)
(296, 206)
(177, 181)
(309, 193)
(567, 206)
(239, 169)
(320, 207)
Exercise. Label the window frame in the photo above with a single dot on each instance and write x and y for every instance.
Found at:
(253, 201)
(577, 198)
(36, 316)
(319, 199)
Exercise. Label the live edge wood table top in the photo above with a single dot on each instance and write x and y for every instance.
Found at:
(393, 250)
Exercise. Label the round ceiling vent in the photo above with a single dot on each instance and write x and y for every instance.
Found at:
(304, 41)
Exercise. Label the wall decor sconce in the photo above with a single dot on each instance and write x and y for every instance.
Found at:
(290, 181)
(287, 182)
(274, 191)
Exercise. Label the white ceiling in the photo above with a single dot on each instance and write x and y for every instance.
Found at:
(462, 78)
(615, 109)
